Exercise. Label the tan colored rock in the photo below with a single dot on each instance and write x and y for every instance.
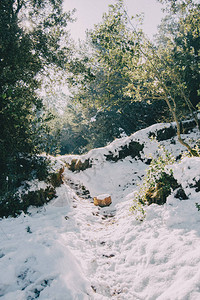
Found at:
(102, 200)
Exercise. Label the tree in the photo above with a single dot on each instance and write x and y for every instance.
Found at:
(182, 37)
(33, 41)
(105, 72)
(127, 67)
(158, 75)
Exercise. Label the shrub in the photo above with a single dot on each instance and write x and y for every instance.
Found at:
(13, 202)
(56, 179)
(157, 184)
(197, 206)
(13, 205)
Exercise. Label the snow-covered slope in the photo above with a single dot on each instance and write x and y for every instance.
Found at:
(119, 177)
(71, 249)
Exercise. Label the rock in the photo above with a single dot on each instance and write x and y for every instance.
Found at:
(102, 200)
(77, 165)
(133, 149)
(180, 194)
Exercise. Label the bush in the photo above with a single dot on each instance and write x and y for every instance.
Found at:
(13, 205)
(56, 179)
(13, 202)
(162, 189)
(157, 184)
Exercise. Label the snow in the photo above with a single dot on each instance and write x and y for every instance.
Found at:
(73, 250)
(102, 196)
(35, 259)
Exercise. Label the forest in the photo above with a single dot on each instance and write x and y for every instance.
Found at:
(119, 81)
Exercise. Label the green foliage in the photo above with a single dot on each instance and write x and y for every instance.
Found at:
(15, 204)
(33, 41)
(101, 75)
(102, 80)
(125, 67)
(21, 170)
(138, 209)
(179, 36)
(197, 206)
(83, 129)
(15, 201)
(56, 178)
(158, 166)
(156, 185)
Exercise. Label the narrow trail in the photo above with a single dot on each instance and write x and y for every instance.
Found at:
(92, 243)
(124, 259)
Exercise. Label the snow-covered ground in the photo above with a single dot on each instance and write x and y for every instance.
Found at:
(73, 250)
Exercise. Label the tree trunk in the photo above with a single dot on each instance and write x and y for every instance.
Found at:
(192, 151)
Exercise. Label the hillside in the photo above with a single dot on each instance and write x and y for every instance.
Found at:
(71, 249)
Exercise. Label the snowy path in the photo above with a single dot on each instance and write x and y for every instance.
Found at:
(96, 247)
(93, 246)
(73, 250)
(126, 259)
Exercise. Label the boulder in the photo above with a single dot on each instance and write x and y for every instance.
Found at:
(102, 200)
